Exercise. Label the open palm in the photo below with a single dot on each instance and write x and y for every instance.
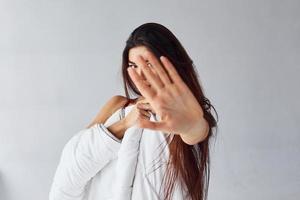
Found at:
(168, 95)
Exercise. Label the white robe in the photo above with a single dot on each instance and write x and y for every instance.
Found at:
(95, 165)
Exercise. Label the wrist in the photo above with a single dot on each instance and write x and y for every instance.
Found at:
(197, 133)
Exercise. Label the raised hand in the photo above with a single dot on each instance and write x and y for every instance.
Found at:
(170, 98)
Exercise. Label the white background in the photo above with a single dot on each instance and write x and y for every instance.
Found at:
(60, 62)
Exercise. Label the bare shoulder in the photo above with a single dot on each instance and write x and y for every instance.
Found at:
(116, 102)
(118, 98)
(109, 107)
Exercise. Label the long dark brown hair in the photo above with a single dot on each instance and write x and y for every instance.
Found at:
(188, 163)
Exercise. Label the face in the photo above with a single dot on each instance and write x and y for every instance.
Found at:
(132, 57)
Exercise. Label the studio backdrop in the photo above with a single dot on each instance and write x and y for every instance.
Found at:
(60, 61)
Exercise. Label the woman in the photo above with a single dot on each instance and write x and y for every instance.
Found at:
(155, 146)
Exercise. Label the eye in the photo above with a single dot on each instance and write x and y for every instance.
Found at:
(149, 64)
(132, 65)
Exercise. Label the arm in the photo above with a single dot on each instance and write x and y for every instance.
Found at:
(87, 153)
(108, 109)
(82, 157)
(197, 134)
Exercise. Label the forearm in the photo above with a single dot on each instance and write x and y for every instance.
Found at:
(118, 128)
(197, 134)
(85, 154)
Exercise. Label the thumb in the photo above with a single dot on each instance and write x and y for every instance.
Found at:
(157, 126)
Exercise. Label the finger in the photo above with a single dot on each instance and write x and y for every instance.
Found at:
(139, 99)
(146, 83)
(158, 67)
(152, 78)
(145, 90)
(171, 70)
(145, 106)
(142, 101)
(144, 112)
(157, 126)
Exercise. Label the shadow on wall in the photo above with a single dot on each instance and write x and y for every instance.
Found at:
(3, 190)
